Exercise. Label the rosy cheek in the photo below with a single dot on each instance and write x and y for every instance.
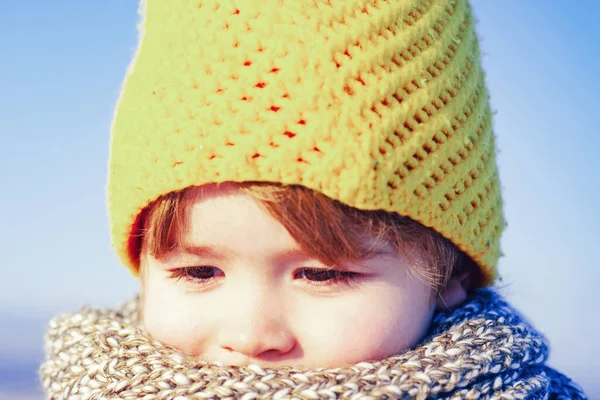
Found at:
(372, 338)
(157, 322)
(365, 334)
(170, 325)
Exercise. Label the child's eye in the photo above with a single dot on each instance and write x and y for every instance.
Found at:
(325, 276)
(196, 274)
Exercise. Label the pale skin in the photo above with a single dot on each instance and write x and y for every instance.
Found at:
(243, 292)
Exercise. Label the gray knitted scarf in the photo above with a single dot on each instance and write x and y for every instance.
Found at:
(482, 350)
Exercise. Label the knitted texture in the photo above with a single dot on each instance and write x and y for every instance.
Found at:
(482, 350)
(378, 104)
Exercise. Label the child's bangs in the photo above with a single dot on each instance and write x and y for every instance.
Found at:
(163, 223)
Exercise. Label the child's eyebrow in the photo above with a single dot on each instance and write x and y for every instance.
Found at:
(292, 255)
(203, 251)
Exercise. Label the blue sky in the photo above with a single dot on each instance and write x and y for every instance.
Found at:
(60, 75)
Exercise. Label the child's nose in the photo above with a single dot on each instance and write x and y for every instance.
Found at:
(257, 331)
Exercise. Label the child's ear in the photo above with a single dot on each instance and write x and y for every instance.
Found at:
(453, 295)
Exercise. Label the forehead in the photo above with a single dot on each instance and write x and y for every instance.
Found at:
(223, 216)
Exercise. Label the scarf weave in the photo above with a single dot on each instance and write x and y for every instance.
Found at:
(481, 350)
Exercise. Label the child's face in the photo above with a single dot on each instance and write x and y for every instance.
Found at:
(243, 292)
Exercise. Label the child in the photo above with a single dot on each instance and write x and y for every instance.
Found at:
(308, 193)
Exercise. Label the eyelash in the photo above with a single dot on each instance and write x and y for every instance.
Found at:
(335, 277)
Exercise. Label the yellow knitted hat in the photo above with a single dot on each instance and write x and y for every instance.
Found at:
(380, 104)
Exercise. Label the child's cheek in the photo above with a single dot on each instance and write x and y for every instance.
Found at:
(170, 319)
(363, 332)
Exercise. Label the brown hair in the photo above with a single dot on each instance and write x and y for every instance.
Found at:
(328, 230)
